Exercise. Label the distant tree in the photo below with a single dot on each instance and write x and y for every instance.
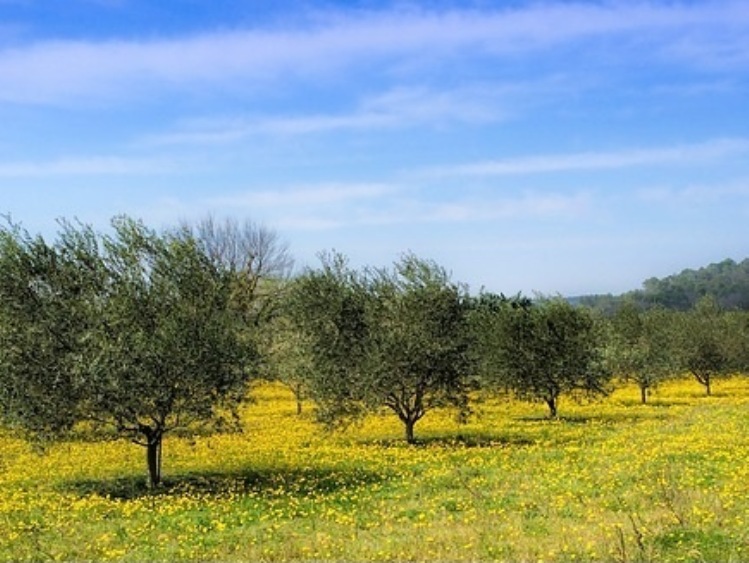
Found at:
(289, 359)
(257, 257)
(260, 265)
(395, 338)
(135, 330)
(706, 343)
(487, 320)
(548, 349)
(738, 344)
(328, 308)
(726, 281)
(642, 346)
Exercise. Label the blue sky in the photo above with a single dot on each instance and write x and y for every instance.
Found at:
(556, 146)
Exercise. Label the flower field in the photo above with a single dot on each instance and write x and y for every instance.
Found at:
(611, 480)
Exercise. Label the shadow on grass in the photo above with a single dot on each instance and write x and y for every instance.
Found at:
(271, 482)
(607, 418)
(477, 440)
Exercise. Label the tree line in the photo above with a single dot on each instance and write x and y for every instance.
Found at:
(138, 333)
(727, 282)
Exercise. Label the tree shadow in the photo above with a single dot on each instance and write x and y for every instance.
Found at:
(470, 440)
(270, 482)
(607, 418)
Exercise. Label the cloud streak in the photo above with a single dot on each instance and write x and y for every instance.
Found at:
(59, 70)
(628, 158)
(88, 166)
(337, 206)
(304, 196)
(398, 108)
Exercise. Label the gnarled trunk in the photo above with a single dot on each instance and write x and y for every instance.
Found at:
(153, 456)
(409, 426)
(551, 402)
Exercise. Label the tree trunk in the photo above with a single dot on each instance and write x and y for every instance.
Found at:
(644, 393)
(153, 458)
(298, 397)
(552, 404)
(409, 424)
(704, 379)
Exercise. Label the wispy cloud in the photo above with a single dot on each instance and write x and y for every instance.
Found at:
(736, 190)
(56, 71)
(306, 196)
(400, 107)
(88, 166)
(682, 154)
(329, 206)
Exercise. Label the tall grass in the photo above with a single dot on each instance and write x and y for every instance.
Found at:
(614, 480)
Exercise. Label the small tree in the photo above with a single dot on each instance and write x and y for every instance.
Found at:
(145, 338)
(420, 343)
(642, 346)
(706, 344)
(487, 321)
(548, 349)
(384, 338)
(328, 310)
(289, 360)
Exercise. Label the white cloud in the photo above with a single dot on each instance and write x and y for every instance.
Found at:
(87, 166)
(400, 107)
(60, 71)
(695, 195)
(306, 196)
(682, 154)
(324, 207)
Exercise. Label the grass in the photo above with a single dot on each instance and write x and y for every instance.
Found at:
(614, 480)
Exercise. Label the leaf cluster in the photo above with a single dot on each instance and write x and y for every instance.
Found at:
(131, 330)
(394, 338)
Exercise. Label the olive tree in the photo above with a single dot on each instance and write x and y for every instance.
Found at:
(46, 298)
(420, 355)
(549, 348)
(135, 330)
(707, 342)
(642, 346)
(395, 339)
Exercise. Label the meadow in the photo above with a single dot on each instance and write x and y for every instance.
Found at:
(612, 480)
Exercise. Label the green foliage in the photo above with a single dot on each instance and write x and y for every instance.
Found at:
(707, 343)
(419, 358)
(547, 349)
(727, 282)
(643, 346)
(134, 332)
(45, 299)
(328, 308)
(384, 338)
(487, 320)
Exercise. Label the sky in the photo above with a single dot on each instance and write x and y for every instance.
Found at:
(558, 147)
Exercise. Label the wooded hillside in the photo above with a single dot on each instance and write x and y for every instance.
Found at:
(727, 281)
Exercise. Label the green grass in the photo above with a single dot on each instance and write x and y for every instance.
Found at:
(614, 481)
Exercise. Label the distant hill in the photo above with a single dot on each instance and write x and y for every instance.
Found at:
(727, 281)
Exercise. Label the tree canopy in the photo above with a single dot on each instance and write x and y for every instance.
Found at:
(131, 331)
(395, 338)
(545, 349)
(643, 346)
